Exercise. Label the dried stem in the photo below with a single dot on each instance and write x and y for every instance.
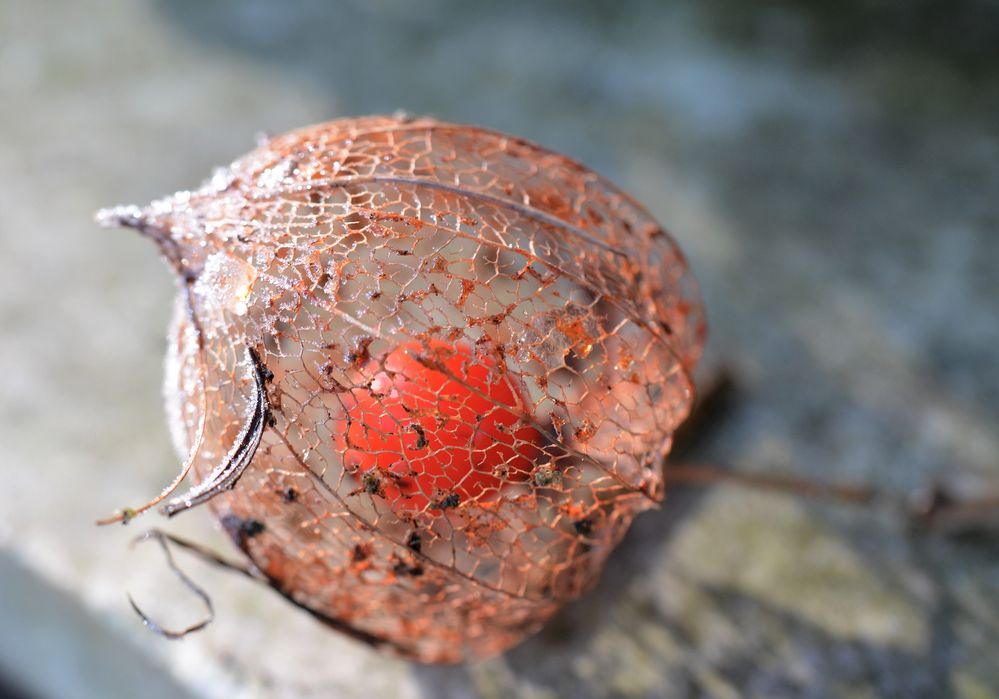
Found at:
(705, 474)
(934, 510)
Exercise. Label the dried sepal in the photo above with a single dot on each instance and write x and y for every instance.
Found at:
(225, 476)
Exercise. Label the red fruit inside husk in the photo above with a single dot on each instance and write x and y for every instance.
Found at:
(437, 427)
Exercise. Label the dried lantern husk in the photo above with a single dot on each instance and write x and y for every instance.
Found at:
(426, 373)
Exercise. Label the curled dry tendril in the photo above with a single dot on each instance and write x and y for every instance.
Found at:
(162, 539)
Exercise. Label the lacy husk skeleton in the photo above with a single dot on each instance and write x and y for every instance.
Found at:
(426, 374)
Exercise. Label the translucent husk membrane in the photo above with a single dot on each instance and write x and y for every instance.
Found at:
(480, 350)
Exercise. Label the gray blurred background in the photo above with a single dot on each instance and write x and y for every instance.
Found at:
(831, 169)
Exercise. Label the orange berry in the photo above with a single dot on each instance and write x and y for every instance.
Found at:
(437, 429)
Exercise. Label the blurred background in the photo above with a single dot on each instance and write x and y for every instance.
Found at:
(829, 167)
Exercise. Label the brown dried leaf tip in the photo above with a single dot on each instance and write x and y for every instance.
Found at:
(464, 348)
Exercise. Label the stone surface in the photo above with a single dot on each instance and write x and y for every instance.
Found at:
(832, 176)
